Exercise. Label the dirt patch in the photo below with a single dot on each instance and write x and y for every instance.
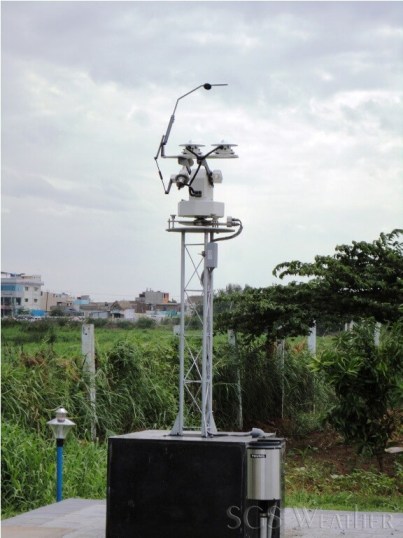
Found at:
(327, 447)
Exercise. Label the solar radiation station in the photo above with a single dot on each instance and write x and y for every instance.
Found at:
(193, 481)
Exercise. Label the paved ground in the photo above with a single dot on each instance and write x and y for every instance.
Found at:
(72, 518)
(82, 518)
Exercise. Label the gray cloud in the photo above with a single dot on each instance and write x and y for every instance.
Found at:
(314, 102)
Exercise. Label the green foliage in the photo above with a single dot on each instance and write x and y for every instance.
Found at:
(34, 385)
(29, 469)
(99, 323)
(26, 466)
(56, 312)
(365, 379)
(317, 485)
(362, 280)
(145, 323)
(359, 280)
(139, 384)
(276, 312)
(281, 386)
(84, 469)
(136, 382)
(136, 385)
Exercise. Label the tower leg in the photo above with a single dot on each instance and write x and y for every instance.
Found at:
(207, 424)
(178, 425)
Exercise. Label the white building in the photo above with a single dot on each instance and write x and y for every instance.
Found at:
(20, 292)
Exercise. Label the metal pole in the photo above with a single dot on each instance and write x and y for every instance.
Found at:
(204, 417)
(88, 350)
(210, 291)
(179, 422)
(182, 336)
(208, 425)
(233, 344)
(59, 470)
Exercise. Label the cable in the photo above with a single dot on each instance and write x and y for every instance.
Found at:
(238, 232)
(201, 161)
(255, 432)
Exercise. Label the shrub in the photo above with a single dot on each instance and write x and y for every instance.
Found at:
(145, 323)
(365, 378)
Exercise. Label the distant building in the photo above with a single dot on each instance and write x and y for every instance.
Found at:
(83, 299)
(99, 310)
(153, 298)
(163, 311)
(124, 310)
(51, 300)
(157, 304)
(21, 293)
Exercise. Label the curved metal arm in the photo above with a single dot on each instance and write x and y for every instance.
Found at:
(206, 86)
(165, 137)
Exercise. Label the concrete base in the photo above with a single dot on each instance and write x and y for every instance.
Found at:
(83, 518)
(72, 518)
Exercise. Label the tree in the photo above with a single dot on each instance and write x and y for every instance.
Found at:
(367, 382)
(57, 311)
(274, 312)
(359, 280)
(362, 280)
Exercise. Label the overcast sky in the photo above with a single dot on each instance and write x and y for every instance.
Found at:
(314, 103)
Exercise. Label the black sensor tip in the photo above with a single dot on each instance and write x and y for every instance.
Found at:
(207, 86)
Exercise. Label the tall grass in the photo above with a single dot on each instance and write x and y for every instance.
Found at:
(281, 386)
(29, 470)
(135, 385)
(136, 388)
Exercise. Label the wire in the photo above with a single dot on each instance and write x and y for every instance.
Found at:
(255, 432)
(201, 161)
(238, 232)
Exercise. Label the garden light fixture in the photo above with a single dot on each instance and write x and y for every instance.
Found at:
(60, 427)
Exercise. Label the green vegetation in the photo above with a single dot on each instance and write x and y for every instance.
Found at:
(318, 485)
(361, 280)
(365, 378)
(267, 379)
(28, 469)
(137, 377)
(136, 384)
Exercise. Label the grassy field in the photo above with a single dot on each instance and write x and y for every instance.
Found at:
(136, 389)
(65, 339)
